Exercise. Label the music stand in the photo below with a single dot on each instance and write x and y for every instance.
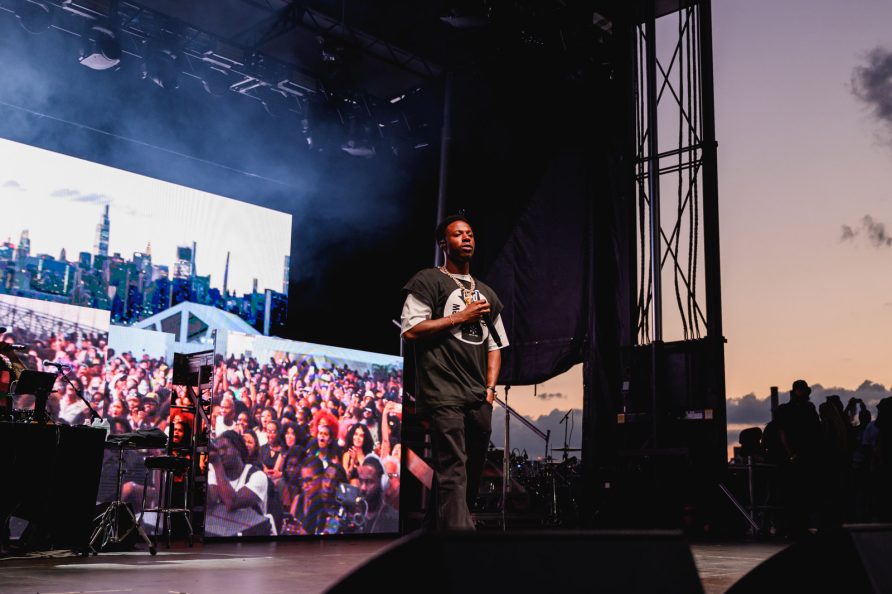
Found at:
(38, 383)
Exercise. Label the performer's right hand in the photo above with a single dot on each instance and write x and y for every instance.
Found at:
(474, 311)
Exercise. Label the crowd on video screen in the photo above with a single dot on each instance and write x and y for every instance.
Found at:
(304, 449)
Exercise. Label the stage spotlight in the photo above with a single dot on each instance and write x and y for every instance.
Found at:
(359, 140)
(34, 17)
(216, 81)
(161, 66)
(101, 49)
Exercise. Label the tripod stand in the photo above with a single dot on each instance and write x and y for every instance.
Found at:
(108, 531)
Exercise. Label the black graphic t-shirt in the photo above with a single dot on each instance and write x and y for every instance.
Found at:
(451, 366)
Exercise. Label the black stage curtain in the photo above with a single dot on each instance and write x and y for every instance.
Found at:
(559, 276)
(542, 275)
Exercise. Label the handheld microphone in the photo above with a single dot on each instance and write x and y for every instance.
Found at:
(492, 330)
(59, 366)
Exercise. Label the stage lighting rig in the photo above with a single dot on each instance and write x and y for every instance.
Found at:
(101, 48)
(361, 136)
(161, 66)
(34, 17)
(276, 103)
(216, 81)
(468, 14)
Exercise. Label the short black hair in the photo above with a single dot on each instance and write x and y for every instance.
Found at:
(440, 232)
(237, 441)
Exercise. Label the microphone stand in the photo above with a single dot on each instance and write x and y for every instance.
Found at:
(566, 426)
(80, 394)
(506, 463)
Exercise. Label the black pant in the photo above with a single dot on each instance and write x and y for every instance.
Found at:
(460, 437)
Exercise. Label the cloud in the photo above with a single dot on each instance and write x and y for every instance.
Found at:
(11, 183)
(522, 439)
(873, 230)
(749, 409)
(550, 395)
(64, 193)
(756, 410)
(92, 198)
(872, 84)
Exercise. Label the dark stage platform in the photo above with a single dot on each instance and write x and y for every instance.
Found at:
(306, 567)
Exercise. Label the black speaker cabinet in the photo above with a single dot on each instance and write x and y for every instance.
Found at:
(853, 560)
(546, 562)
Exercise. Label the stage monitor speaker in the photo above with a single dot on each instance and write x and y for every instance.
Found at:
(547, 562)
(853, 560)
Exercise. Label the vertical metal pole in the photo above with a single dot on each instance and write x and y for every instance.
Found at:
(506, 462)
(711, 252)
(750, 482)
(445, 147)
(712, 261)
(653, 189)
(653, 174)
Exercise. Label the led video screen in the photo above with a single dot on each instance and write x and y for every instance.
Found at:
(308, 435)
(85, 234)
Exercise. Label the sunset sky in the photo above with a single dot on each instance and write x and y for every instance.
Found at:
(800, 155)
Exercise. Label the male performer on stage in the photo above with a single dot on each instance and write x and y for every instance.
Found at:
(450, 317)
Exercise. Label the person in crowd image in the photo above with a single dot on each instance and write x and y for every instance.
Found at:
(253, 448)
(324, 445)
(333, 476)
(289, 487)
(358, 445)
(271, 453)
(309, 511)
(226, 420)
(267, 414)
(243, 422)
(181, 434)
(235, 491)
(373, 483)
(73, 410)
(392, 470)
(448, 315)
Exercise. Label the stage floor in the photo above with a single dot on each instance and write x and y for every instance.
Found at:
(302, 567)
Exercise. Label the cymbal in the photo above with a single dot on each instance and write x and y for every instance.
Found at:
(566, 449)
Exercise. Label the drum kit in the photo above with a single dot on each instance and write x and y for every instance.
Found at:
(544, 490)
(551, 485)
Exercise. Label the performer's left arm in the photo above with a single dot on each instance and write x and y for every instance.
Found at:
(493, 365)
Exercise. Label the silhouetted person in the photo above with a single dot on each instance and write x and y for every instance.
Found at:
(799, 433)
(882, 451)
(750, 440)
(834, 468)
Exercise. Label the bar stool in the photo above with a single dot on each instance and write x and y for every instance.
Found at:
(168, 468)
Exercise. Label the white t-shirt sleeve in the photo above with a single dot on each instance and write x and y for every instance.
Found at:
(500, 328)
(257, 483)
(414, 312)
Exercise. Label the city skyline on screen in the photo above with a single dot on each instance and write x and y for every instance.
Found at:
(59, 200)
(94, 236)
